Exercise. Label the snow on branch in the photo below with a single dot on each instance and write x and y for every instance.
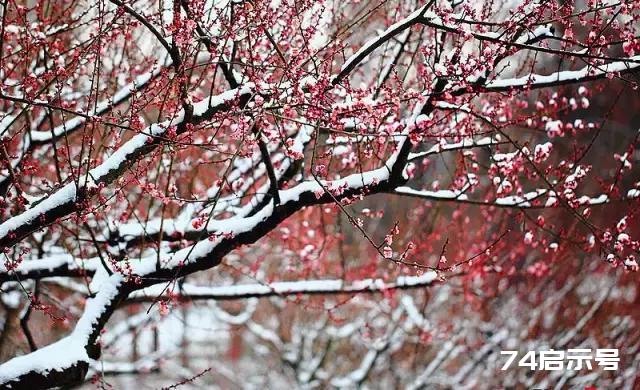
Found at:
(67, 199)
(466, 143)
(62, 264)
(67, 360)
(139, 84)
(183, 227)
(587, 73)
(284, 289)
(523, 201)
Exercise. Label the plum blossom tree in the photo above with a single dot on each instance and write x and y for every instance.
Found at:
(351, 192)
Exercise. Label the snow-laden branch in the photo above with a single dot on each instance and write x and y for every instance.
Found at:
(433, 195)
(432, 20)
(466, 143)
(524, 201)
(67, 360)
(68, 198)
(587, 73)
(34, 138)
(428, 18)
(51, 266)
(139, 84)
(183, 228)
(284, 289)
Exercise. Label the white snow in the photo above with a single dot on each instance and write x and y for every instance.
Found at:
(439, 194)
(520, 201)
(464, 144)
(538, 32)
(63, 195)
(569, 75)
(51, 262)
(306, 286)
(69, 350)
